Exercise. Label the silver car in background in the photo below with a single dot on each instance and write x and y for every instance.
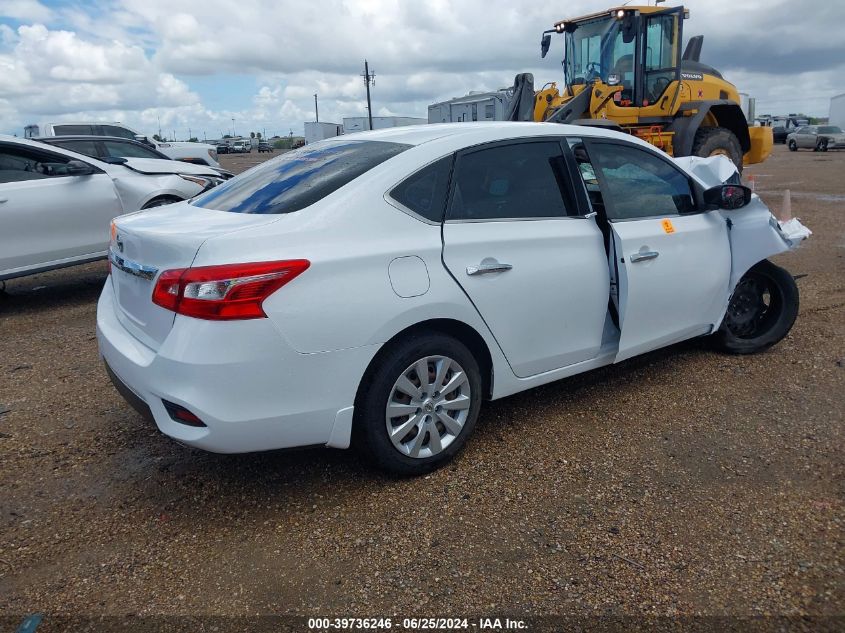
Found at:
(56, 205)
(819, 138)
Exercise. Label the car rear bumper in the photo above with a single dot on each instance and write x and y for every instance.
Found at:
(252, 391)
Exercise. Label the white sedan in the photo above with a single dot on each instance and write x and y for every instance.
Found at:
(56, 204)
(375, 288)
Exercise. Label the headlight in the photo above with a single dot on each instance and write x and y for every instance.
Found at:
(206, 182)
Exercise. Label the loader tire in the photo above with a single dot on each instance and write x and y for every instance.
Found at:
(714, 141)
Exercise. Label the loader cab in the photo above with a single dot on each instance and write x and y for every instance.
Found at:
(635, 48)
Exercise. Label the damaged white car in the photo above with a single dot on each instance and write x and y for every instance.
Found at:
(56, 205)
(375, 288)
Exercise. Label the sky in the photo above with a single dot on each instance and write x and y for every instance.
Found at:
(186, 66)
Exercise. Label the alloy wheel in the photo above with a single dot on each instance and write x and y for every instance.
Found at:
(428, 406)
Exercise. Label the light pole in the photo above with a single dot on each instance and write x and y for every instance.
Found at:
(369, 78)
(233, 126)
(316, 109)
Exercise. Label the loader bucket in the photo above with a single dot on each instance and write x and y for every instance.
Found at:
(762, 142)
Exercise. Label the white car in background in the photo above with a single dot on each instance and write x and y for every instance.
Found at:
(375, 288)
(197, 153)
(56, 205)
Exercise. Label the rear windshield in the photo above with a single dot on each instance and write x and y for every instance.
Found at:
(299, 178)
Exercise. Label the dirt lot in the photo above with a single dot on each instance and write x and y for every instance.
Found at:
(684, 482)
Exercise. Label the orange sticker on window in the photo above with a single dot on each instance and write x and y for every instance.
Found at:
(667, 226)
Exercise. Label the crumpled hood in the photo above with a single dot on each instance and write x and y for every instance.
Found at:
(161, 166)
(711, 171)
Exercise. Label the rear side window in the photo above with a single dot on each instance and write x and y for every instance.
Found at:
(72, 130)
(425, 192)
(514, 181)
(299, 178)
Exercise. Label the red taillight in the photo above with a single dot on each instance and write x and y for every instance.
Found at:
(233, 291)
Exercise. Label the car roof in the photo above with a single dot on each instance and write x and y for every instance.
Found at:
(484, 131)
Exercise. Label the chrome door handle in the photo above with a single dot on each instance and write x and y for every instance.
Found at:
(486, 269)
(644, 256)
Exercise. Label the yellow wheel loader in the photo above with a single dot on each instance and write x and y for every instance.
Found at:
(623, 68)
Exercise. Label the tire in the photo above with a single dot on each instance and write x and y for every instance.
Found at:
(793, 146)
(761, 311)
(379, 389)
(711, 141)
(821, 145)
(160, 202)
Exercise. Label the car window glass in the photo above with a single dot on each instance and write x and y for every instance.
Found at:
(71, 130)
(18, 164)
(120, 132)
(519, 180)
(117, 149)
(89, 148)
(425, 192)
(300, 178)
(639, 184)
(588, 175)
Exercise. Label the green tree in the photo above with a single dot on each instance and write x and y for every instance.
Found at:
(158, 138)
(252, 135)
(258, 135)
(193, 139)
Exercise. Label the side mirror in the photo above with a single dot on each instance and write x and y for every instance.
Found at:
(545, 44)
(78, 168)
(727, 197)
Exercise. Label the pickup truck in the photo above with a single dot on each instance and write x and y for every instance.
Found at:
(196, 153)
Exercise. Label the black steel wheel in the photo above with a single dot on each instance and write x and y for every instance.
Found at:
(761, 311)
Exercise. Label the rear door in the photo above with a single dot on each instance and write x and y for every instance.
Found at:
(535, 269)
(46, 215)
(672, 262)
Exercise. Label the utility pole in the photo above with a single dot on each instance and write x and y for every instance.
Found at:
(316, 109)
(233, 126)
(369, 78)
(159, 125)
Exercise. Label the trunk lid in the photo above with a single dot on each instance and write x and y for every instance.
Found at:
(146, 243)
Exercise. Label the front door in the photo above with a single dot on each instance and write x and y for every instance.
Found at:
(671, 261)
(47, 215)
(535, 270)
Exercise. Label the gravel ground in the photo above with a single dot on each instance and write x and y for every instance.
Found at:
(684, 482)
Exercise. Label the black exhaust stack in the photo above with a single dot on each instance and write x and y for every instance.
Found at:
(692, 53)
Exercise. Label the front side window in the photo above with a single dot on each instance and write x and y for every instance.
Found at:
(117, 149)
(89, 148)
(120, 132)
(660, 56)
(515, 181)
(638, 184)
(299, 178)
(830, 129)
(18, 164)
(425, 192)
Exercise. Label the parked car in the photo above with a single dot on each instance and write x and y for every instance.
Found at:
(265, 147)
(242, 147)
(56, 205)
(222, 148)
(376, 287)
(113, 147)
(197, 153)
(819, 138)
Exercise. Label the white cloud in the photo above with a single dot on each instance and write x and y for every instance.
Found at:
(25, 10)
(137, 59)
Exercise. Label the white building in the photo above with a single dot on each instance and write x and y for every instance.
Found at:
(361, 123)
(319, 130)
(837, 111)
(475, 106)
